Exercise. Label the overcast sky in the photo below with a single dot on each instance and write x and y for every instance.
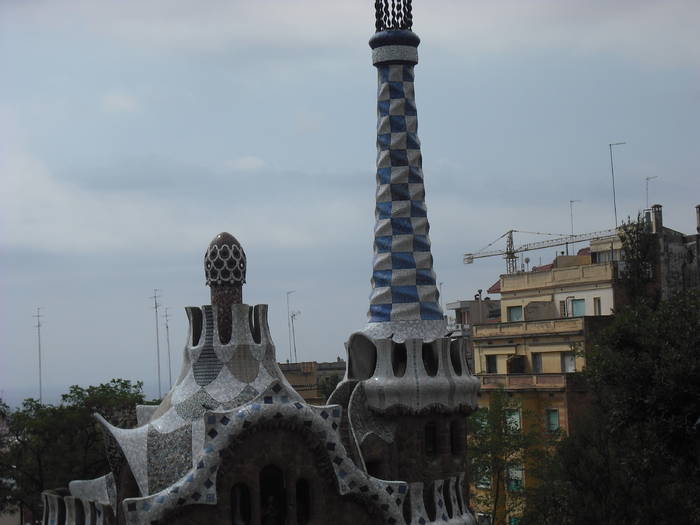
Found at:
(132, 132)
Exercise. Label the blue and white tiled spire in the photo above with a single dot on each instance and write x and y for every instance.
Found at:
(404, 302)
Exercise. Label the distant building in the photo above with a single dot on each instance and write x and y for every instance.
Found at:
(310, 377)
(549, 314)
(469, 313)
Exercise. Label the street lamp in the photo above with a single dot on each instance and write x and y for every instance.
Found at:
(612, 172)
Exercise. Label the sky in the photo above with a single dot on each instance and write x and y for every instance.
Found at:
(132, 132)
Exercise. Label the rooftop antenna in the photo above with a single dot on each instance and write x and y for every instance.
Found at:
(156, 304)
(166, 316)
(293, 316)
(38, 317)
(571, 211)
(646, 180)
(289, 324)
(612, 172)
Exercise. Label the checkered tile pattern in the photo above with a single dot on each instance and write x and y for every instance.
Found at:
(403, 281)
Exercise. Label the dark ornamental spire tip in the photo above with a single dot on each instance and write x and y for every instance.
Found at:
(393, 15)
(394, 37)
(224, 261)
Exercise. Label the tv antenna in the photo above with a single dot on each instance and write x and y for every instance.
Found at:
(38, 317)
(156, 304)
(166, 316)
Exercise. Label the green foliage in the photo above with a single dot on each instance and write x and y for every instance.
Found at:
(635, 458)
(637, 272)
(46, 446)
(327, 385)
(503, 439)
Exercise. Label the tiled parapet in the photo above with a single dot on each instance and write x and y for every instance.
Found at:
(412, 376)
(215, 375)
(428, 503)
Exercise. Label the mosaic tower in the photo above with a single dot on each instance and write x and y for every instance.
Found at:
(404, 301)
(407, 388)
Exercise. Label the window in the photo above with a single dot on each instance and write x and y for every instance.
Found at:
(537, 363)
(552, 419)
(596, 306)
(515, 313)
(578, 307)
(303, 494)
(457, 440)
(491, 364)
(562, 308)
(513, 418)
(431, 439)
(483, 519)
(273, 497)
(484, 481)
(568, 362)
(515, 479)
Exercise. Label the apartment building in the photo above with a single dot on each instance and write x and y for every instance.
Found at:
(549, 316)
(308, 378)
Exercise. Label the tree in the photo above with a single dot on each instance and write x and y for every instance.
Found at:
(504, 441)
(635, 456)
(46, 446)
(327, 385)
(637, 271)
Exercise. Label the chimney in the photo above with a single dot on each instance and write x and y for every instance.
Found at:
(657, 218)
(697, 218)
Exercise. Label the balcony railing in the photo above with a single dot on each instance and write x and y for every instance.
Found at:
(524, 328)
(558, 276)
(524, 381)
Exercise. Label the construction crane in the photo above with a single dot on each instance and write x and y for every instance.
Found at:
(510, 251)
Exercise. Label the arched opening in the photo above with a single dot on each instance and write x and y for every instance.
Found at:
(362, 357)
(303, 502)
(447, 497)
(459, 495)
(240, 504)
(429, 500)
(253, 317)
(456, 439)
(430, 359)
(398, 359)
(273, 503)
(61, 519)
(375, 468)
(430, 439)
(79, 511)
(195, 315)
(406, 509)
(93, 513)
(455, 356)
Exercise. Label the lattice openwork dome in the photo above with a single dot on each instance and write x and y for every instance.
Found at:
(224, 261)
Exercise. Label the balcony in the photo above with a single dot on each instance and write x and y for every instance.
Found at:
(522, 381)
(567, 325)
(585, 273)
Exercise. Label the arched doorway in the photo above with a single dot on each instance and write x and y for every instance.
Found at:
(272, 496)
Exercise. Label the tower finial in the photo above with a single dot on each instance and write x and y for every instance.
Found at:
(393, 15)
(224, 270)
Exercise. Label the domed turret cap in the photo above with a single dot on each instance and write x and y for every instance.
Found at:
(224, 261)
